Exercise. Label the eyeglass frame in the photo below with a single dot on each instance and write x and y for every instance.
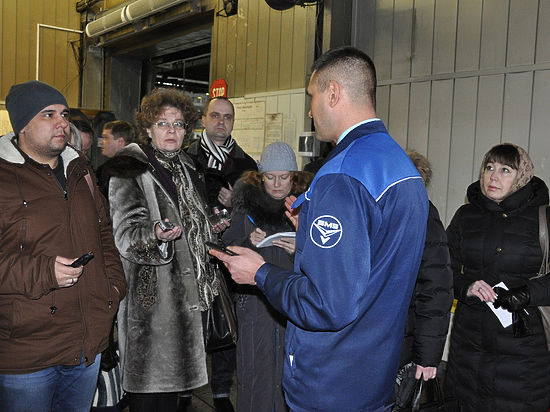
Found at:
(167, 125)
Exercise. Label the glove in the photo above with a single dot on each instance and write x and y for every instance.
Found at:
(520, 324)
(512, 300)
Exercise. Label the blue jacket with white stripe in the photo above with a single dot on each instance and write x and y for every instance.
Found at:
(358, 249)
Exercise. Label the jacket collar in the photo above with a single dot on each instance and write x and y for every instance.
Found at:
(11, 153)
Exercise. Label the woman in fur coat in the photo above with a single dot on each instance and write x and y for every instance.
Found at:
(170, 280)
(258, 212)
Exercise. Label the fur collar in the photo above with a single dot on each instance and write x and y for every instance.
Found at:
(267, 213)
(11, 154)
(131, 161)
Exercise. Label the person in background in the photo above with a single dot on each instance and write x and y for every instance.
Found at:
(74, 137)
(86, 133)
(494, 239)
(221, 161)
(429, 312)
(217, 154)
(171, 281)
(259, 211)
(116, 135)
(55, 318)
(359, 244)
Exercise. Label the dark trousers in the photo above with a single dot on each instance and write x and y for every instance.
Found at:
(223, 368)
(153, 402)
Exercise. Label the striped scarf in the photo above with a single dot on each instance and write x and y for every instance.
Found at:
(217, 155)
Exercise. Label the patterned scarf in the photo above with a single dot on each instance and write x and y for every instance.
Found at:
(217, 155)
(196, 227)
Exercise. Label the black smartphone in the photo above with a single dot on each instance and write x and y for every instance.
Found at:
(221, 248)
(166, 226)
(82, 260)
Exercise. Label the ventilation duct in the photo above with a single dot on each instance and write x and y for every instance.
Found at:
(288, 4)
(137, 10)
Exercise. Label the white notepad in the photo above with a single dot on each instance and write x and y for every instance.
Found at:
(268, 241)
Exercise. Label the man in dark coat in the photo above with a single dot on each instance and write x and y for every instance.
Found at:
(218, 155)
(222, 161)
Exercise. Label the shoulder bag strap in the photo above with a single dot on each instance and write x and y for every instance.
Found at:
(543, 239)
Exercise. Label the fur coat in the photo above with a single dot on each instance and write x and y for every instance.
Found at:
(160, 325)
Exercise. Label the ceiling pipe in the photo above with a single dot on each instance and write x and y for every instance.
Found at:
(46, 26)
(134, 11)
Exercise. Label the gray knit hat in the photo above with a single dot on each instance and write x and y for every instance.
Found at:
(25, 100)
(278, 156)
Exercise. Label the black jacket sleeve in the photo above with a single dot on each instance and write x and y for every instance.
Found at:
(433, 295)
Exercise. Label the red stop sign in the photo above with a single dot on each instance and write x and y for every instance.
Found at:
(218, 88)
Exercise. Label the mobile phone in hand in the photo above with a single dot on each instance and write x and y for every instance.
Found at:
(166, 226)
(82, 260)
(221, 248)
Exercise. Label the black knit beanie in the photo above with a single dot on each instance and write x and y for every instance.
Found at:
(25, 100)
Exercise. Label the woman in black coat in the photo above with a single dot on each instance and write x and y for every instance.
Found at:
(259, 211)
(430, 308)
(494, 239)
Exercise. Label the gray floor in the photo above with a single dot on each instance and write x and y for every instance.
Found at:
(202, 397)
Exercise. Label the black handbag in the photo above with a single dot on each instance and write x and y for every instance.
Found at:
(221, 321)
(426, 396)
(544, 269)
(413, 395)
(109, 357)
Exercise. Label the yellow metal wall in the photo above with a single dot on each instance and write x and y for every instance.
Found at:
(18, 26)
(261, 49)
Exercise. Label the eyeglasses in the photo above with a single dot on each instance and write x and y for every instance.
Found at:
(167, 125)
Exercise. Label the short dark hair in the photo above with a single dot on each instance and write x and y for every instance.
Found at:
(352, 68)
(154, 103)
(83, 126)
(218, 98)
(121, 129)
(505, 154)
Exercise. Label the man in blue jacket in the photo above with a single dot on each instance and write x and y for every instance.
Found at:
(359, 244)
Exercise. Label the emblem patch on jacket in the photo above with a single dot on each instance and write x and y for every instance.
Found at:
(325, 231)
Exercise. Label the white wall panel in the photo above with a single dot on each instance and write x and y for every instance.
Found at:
(440, 139)
(516, 113)
(444, 36)
(479, 75)
(543, 33)
(383, 40)
(522, 32)
(468, 35)
(399, 113)
(489, 119)
(383, 103)
(539, 144)
(494, 27)
(463, 132)
(419, 117)
(422, 38)
(401, 44)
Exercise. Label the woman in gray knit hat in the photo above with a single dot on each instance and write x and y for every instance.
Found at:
(258, 212)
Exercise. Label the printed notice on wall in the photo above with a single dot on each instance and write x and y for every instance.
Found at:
(5, 125)
(273, 128)
(249, 127)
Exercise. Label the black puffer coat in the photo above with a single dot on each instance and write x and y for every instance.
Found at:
(430, 308)
(489, 369)
(260, 348)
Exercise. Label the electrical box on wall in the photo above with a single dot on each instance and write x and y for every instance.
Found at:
(308, 145)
